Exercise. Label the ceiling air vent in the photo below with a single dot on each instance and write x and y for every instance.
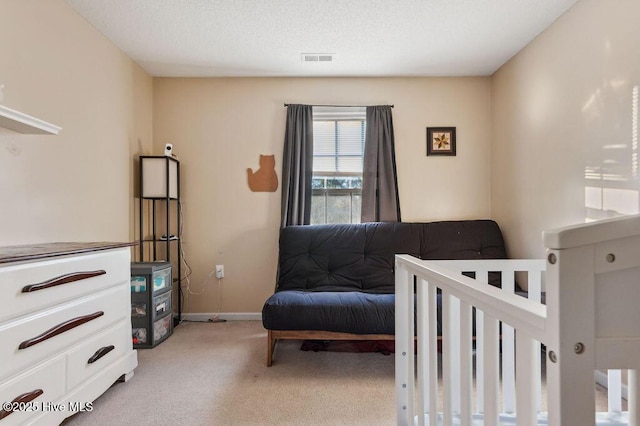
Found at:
(317, 57)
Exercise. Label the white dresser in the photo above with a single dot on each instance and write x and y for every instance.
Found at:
(65, 328)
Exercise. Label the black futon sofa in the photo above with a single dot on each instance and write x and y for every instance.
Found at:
(336, 282)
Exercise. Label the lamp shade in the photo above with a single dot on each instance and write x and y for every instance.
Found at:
(158, 173)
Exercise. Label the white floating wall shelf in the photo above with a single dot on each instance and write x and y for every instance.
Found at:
(26, 124)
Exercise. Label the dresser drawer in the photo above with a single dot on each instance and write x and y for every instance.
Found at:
(34, 338)
(28, 287)
(44, 386)
(94, 355)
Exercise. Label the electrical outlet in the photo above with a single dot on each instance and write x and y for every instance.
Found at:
(219, 271)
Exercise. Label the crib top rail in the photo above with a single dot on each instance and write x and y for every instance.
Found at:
(517, 311)
(592, 233)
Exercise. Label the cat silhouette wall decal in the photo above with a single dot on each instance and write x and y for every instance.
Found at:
(265, 178)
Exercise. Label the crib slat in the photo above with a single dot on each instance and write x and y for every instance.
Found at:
(454, 341)
(537, 366)
(422, 332)
(535, 285)
(527, 398)
(508, 280)
(447, 412)
(405, 381)
(508, 369)
(614, 391)
(633, 397)
(427, 352)
(433, 360)
(508, 351)
(482, 275)
(480, 360)
(466, 365)
(491, 370)
(535, 294)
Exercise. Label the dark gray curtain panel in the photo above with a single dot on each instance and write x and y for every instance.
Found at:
(297, 166)
(380, 202)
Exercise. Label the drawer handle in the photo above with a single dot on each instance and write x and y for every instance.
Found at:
(24, 398)
(59, 329)
(100, 353)
(64, 279)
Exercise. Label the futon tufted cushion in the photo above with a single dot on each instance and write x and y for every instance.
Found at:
(344, 257)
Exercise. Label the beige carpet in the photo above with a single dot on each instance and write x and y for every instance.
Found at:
(215, 374)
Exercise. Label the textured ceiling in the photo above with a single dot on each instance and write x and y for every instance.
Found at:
(199, 38)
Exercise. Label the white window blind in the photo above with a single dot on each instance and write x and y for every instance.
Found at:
(338, 146)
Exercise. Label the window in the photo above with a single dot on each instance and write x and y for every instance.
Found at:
(338, 152)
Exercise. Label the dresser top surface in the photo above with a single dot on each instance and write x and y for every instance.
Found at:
(42, 251)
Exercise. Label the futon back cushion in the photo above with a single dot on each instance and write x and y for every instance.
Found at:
(361, 257)
(463, 239)
(344, 257)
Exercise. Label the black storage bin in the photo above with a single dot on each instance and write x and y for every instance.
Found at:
(151, 303)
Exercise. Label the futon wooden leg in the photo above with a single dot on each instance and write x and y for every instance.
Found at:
(271, 344)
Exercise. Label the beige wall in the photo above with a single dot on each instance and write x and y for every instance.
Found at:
(549, 140)
(76, 186)
(219, 127)
(564, 125)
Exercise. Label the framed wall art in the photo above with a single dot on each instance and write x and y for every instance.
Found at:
(441, 141)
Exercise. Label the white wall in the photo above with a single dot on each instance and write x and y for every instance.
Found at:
(76, 186)
(220, 126)
(564, 124)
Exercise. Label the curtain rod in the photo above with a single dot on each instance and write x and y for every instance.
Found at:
(339, 106)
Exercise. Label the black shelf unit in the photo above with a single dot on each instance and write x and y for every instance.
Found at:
(159, 189)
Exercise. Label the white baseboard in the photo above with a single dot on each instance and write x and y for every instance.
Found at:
(227, 316)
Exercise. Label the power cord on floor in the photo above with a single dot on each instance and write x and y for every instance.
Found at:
(215, 317)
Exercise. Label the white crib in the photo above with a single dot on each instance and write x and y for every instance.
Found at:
(589, 323)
